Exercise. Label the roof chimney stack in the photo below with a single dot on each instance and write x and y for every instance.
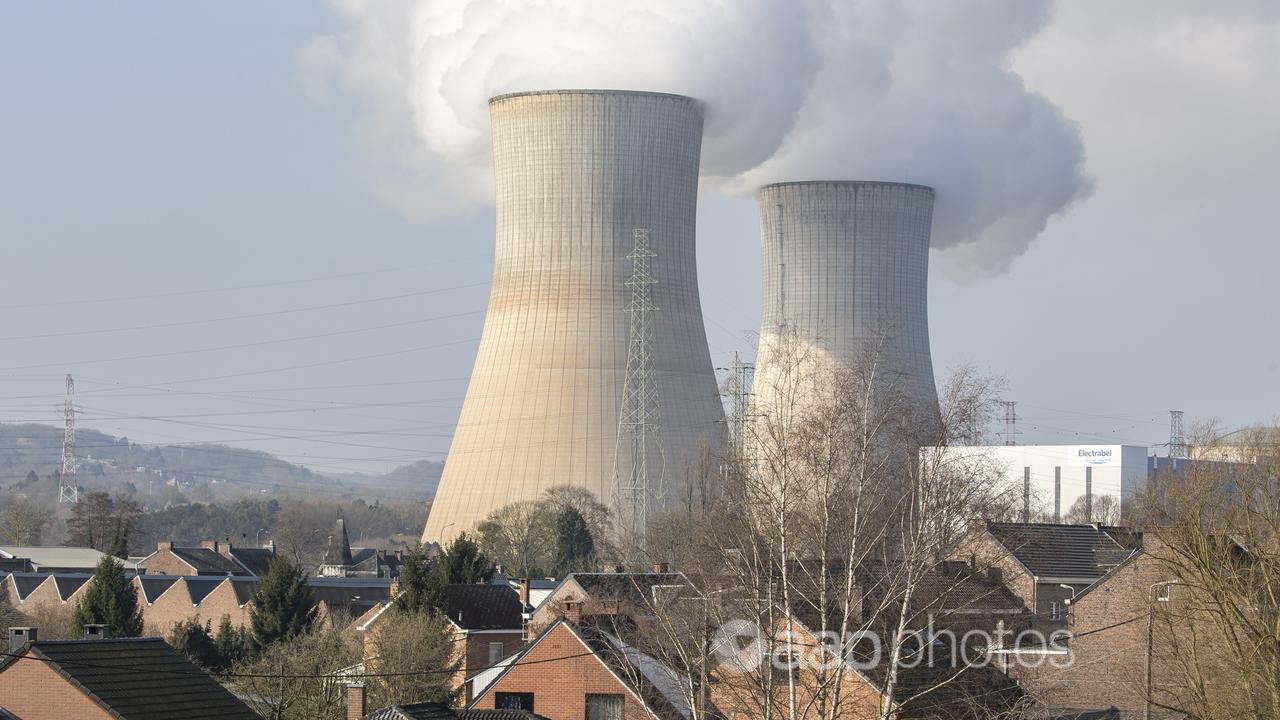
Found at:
(95, 631)
(355, 701)
(20, 636)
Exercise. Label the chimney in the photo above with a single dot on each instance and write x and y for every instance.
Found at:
(210, 545)
(526, 610)
(164, 545)
(95, 631)
(616, 568)
(272, 546)
(572, 612)
(20, 636)
(355, 701)
(661, 568)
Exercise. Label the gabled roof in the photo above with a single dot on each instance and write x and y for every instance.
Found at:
(482, 607)
(207, 561)
(67, 584)
(254, 560)
(1051, 550)
(137, 679)
(635, 589)
(153, 586)
(199, 587)
(26, 583)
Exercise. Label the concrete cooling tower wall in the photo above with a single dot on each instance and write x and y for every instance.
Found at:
(846, 268)
(576, 172)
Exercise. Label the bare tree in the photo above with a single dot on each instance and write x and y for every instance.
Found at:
(296, 679)
(1214, 527)
(1103, 509)
(23, 522)
(414, 659)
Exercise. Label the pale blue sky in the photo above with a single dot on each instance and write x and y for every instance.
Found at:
(171, 150)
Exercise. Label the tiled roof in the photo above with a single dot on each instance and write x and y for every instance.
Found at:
(633, 588)
(208, 562)
(498, 715)
(255, 560)
(482, 607)
(1066, 551)
(414, 711)
(140, 679)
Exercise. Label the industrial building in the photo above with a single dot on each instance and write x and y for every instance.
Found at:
(594, 270)
(846, 267)
(1048, 480)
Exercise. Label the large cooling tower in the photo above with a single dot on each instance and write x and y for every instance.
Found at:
(845, 280)
(578, 171)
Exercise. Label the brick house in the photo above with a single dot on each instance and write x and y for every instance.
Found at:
(611, 592)
(212, 557)
(1045, 564)
(576, 669)
(102, 679)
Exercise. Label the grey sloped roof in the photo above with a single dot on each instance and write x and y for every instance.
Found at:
(209, 562)
(414, 711)
(255, 560)
(482, 607)
(1056, 550)
(26, 583)
(139, 679)
(153, 586)
(200, 587)
(68, 584)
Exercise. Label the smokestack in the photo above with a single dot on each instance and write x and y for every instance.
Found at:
(576, 172)
(846, 267)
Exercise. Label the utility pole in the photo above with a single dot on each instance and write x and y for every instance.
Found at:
(68, 487)
(1177, 440)
(640, 415)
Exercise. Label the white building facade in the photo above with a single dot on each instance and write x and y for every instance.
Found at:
(1049, 480)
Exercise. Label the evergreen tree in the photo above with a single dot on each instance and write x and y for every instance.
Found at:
(111, 601)
(282, 604)
(574, 544)
(422, 587)
(232, 644)
(462, 563)
(194, 640)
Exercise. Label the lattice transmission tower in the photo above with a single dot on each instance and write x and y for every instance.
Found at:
(1177, 439)
(68, 486)
(640, 415)
(1010, 421)
(737, 387)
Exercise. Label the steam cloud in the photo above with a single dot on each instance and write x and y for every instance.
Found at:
(915, 91)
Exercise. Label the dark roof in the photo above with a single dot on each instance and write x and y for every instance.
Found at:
(255, 560)
(414, 711)
(170, 687)
(200, 587)
(633, 588)
(498, 715)
(482, 607)
(27, 583)
(1066, 551)
(354, 594)
(208, 562)
(15, 565)
(964, 693)
(68, 584)
(338, 551)
(153, 586)
(244, 587)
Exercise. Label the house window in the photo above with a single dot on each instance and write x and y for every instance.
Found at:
(513, 701)
(495, 652)
(1055, 610)
(604, 707)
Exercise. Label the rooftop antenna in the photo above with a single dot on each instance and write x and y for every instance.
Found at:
(640, 416)
(1177, 439)
(68, 488)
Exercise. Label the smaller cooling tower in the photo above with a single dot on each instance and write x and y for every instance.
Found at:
(846, 268)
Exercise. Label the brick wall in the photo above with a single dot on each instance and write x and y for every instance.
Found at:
(560, 687)
(164, 562)
(475, 647)
(32, 690)
(174, 605)
(987, 554)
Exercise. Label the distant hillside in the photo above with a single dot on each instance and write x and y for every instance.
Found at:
(203, 472)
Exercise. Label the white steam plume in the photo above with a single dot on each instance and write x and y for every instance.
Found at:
(916, 91)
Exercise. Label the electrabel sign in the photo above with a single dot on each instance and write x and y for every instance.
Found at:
(1093, 455)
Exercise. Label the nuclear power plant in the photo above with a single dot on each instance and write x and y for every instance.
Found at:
(593, 368)
(845, 277)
